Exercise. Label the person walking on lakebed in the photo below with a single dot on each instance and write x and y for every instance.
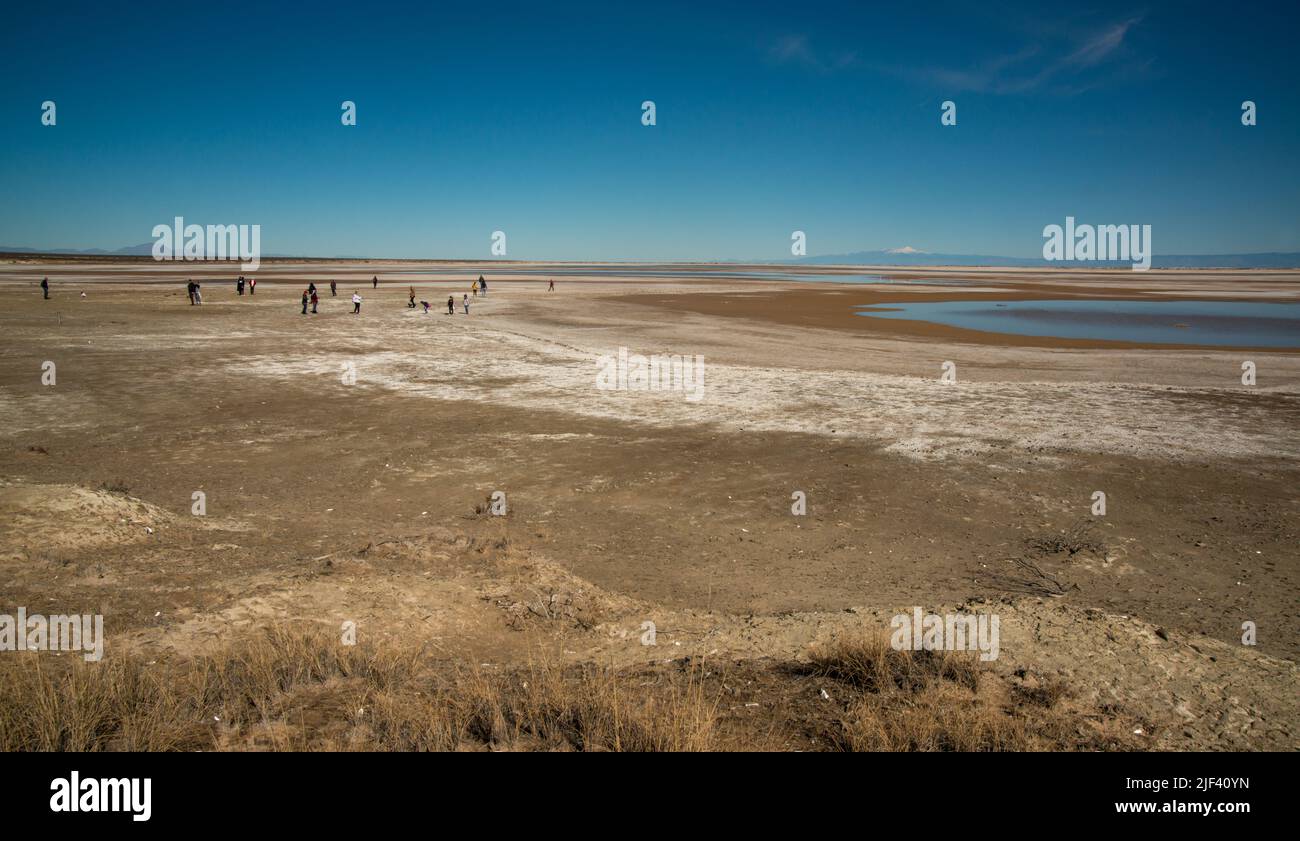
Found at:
(356, 303)
(451, 305)
(45, 287)
(374, 282)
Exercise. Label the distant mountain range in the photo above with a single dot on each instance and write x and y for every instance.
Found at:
(145, 249)
(911, 257)
(906, 256)
(142, 250)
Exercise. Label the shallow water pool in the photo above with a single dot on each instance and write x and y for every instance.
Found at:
(1228, 323)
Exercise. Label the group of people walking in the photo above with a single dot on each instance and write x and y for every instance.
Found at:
(478, 287)
(311, 297)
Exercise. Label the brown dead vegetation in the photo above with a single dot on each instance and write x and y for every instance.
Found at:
(290, 690)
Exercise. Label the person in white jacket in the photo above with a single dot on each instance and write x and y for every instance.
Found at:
(356, 303)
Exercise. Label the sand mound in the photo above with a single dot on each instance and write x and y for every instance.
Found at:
(66, 517)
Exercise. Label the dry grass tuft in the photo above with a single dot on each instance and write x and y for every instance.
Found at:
(873, 665)
(1079, 537)
(939, 701)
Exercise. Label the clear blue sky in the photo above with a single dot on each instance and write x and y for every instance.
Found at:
(772, 117)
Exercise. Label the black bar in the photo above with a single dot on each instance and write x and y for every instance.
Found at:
(214, 792)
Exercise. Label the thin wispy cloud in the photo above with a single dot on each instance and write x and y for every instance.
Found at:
(797, 50)
(1061, 65)
(1101, 46)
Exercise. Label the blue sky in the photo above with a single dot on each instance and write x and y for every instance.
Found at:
(772, 117)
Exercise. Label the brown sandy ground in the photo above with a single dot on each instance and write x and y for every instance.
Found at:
(329, 502)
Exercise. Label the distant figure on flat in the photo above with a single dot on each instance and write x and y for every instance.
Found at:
(314, 299)
(425, 304)
(466, 303)
(198, 293)
(551, 288)
(334, 289)
(374, 282)
(482, 285)
(411, 304)
(305, 297)
(252, 286)
(45, 287)
(356, 303)
(451, 305)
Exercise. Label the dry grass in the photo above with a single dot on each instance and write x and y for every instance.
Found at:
(1079, 537)
(874, 666)
(946, 701)
(287, 690)
(293, 691)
